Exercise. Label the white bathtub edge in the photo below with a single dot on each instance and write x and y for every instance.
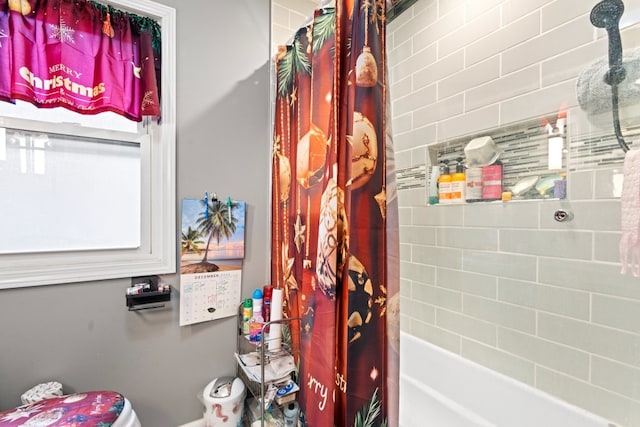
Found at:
(475, 388)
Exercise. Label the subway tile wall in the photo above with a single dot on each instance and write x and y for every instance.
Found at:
(504, 284)
(287, 16)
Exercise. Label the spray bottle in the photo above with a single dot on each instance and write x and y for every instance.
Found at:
(257, 321)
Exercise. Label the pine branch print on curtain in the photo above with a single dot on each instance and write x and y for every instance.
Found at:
(334, 222)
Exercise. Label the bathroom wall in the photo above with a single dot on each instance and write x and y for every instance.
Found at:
(81, 334)
(503, 284)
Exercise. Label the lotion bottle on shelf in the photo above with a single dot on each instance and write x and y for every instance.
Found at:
(444, 185)
(473, 188)
(458, 183)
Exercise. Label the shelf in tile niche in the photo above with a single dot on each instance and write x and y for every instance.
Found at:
(528, 171)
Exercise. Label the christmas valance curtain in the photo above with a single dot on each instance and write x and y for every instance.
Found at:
(79, 55)
(335, 216)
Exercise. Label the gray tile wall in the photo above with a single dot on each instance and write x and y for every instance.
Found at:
(287, 16)
(503, 284)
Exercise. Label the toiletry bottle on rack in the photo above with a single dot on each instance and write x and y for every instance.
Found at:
(267, 291)
(257, 321)
(433, 185)
(458, 183)
(247, 314)
(444, 185)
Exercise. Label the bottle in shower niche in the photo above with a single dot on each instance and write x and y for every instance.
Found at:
(444, 185)
(492, 181)
(433, 185)
(473, 185)
(458, 183)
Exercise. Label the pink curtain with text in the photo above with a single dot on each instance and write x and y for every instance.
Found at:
(77, 55)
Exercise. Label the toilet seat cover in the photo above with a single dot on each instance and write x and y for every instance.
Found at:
(91, 409)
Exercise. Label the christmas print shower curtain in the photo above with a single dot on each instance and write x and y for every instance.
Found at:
(334, 219)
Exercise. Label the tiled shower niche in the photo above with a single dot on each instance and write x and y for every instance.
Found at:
(525, 150)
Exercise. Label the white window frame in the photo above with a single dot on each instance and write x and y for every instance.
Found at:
(157, 253)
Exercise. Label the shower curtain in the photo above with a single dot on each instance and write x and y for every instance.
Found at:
(335, 218)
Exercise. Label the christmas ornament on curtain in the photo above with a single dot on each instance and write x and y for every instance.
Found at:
(366, 67)
(312, 153)
(335, 243)
(79, 55)
(364, 146)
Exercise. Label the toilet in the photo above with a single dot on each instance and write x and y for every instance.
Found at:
(92, 408)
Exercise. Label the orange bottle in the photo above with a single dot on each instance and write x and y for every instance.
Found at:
(458, 182)
(444, 185)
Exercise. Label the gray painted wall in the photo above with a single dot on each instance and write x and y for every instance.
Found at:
(82, 334)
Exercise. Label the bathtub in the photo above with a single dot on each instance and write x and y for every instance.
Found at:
(438, 388)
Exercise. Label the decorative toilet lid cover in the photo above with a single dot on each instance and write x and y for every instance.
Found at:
(91, 409)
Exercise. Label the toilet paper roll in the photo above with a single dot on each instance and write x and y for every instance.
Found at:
(275, 331)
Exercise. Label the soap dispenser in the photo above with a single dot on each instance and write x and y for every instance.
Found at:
(458, 183)
(444, 185)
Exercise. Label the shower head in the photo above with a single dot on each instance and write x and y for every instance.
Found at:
(606, 14)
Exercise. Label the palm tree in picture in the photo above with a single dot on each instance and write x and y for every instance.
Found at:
(191, 241)
(217, 222)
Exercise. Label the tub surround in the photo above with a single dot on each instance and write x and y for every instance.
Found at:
(504, 284)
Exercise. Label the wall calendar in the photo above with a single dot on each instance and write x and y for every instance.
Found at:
(212, 248)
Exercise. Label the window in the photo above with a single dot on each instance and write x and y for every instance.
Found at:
(89, 197)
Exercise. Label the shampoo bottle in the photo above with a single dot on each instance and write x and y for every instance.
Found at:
(458, 183)
(444, 185)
